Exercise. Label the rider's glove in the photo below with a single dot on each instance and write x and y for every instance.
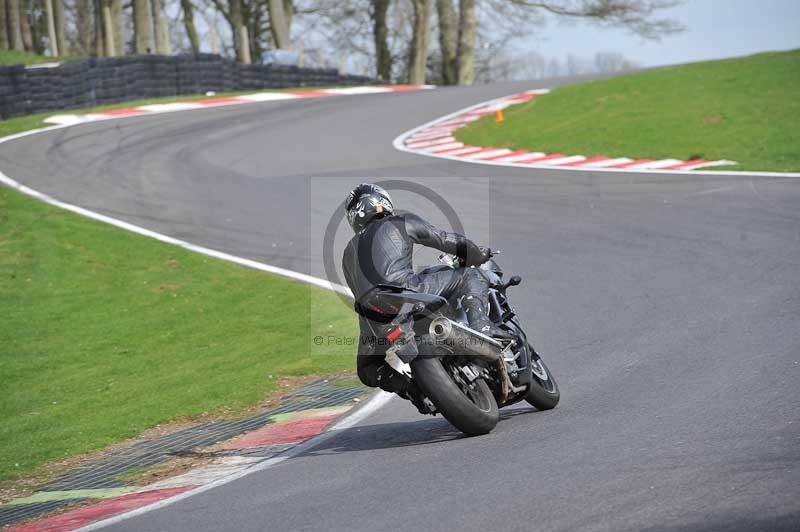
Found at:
(476, 259)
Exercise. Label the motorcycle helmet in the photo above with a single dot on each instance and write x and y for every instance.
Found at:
(365, 203)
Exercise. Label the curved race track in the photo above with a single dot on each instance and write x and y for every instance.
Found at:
(667, 306)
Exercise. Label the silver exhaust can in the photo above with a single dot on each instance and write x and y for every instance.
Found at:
(464, 341)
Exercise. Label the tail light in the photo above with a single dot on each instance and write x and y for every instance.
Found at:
(394, 334)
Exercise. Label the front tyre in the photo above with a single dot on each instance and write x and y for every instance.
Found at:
(471, 408)
(544, 393)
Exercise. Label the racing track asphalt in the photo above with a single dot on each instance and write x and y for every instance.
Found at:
(668, 307)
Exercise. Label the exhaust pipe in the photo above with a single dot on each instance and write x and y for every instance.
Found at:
(470, 343)
(465, 341)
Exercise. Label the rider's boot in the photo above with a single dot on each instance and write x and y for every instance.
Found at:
(392, 381)
(418, 399)
(478, 320)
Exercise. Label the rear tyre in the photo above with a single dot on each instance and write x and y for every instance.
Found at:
(472, 410)
(544, 393)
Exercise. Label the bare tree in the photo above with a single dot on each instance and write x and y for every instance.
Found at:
(233, 11)
(51, 28)
(213, 31)
(161, 30)
(116, 21)
(466, 42)
(575, 65)
(142, 27)
(14, 25)
(25, 28)
(83, 17)
(239, 30)
(188, 22)
(58, 21)
(98, 43)
(3, 26)
(609, 62)
(534, 66)
(502, 21)
(448, 40)
(280, 20)
(383, 56)
(111, 32)
(418, 53)
(635, 15)
(349, 29)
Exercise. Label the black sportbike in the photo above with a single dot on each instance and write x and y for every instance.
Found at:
(464, 374)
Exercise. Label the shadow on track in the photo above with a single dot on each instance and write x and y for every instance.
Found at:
(427, 431)
(737, 523)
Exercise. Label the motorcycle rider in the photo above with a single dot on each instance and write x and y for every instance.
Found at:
(381, 253)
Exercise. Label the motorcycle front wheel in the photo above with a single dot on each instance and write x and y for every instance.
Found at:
(544, 393)
(470, 407)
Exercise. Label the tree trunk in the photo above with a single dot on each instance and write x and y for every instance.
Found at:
(142, 28)
(161, 28)
(418, 55)
(3, 26)
(448, 40)
(253, 15)
(109, 32)
(116, 24)
(279, 24)
(14, 25)
(97, 21)
(244, 56)
(25, 29)
(83, 23)
(213, 40)
(288, 13)
(238, 29)
(61, 38)
(188, 23)
(51, 27)
(383, 57)
(466, 42)
(37, 20)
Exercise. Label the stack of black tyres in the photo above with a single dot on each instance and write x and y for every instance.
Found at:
(98, 81)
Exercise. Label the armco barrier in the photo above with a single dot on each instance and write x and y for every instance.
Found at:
(103, 80)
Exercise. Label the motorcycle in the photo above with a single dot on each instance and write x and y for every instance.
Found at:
(465, 375)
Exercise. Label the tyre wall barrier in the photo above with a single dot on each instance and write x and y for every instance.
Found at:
(105, 80)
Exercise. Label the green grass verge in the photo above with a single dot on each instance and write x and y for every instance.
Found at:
(17, 57)
(745, 109)
(106, 333)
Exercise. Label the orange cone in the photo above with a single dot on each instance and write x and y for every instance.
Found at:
(498, 116)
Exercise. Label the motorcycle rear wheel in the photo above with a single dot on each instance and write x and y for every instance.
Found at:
(473, 412)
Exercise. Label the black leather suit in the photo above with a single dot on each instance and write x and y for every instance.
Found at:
(382, 254)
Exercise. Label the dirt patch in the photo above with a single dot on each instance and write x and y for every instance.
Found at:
(168, 288)
(158, 472)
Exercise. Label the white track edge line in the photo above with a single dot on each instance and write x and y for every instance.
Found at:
(249, 263)
(399, 141)
(378, 400)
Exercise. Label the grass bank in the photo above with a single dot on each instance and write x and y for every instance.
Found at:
(105, 334)
(745, 109)
(17, 57)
